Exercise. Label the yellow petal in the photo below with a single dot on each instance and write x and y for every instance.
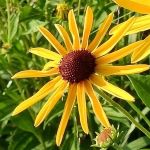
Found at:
(49, 65)
(141, 23)
(67, 111)
(43, 92)
(82, 106)
(116, 55)
(110, 88)
(45, 53)
(74, 30)
(101, 33)
(107, 70)
(140, 6)
(108, 45)
(65, 37)
(48, 106)
(88, 21)
(96, 105)
(60, 49)
(35, 73)
(142, 52)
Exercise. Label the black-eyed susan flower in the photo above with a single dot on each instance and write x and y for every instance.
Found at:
(140, 6)
(78, 67)
(141, 23)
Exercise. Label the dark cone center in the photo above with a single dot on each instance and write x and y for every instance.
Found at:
(77, 66)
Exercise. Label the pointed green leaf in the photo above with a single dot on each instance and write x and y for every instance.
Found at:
(141, 84)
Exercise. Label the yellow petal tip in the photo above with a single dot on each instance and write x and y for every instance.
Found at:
(36, 124)
(13, 77)
(14, 113)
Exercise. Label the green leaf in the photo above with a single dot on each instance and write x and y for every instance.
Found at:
(25, 122)
(139, 143)
(14, 25)
(141, 84)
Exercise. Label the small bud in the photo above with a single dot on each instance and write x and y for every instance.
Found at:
(6, 46)
(106, 137)
(62, 11)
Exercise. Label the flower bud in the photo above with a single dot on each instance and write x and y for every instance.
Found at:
(62, 11)
(106, 137)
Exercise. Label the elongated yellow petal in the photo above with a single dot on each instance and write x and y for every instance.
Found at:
(82, 106)
(140, 6)
(48, 106)
(116, 55)
(74, 30)
(88, 21)
(50, 64)
(43, 92)
(60, 49)
(45, 53)
(65, 37)
(101, 32)
(108, 45)
(107, 70)
(67, 111)
(96, 105)
(35, 73)
(141, 23)
(142, 52)
(111, 89)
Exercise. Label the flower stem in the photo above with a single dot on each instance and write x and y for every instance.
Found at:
(120, 108)
(79, 5)
(140, 113)
(8, 21)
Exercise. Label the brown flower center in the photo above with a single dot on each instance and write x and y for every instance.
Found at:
(77, 66)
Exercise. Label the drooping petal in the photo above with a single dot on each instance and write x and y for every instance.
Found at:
(88, 21)
(65, 37)
(110, 88)
(43, 92)
(35, 73)
(96, 105)
(67, 111)
(74, 30)
(60, 49)
(140, 6)
(101, 32)
(142, 52)
(116, 55)
(50, 64)
(107, 70)
(48, 106)
(141, 23)
(108, 45)
(45, 53)
(82, 106)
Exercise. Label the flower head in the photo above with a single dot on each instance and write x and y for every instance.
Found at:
(78, 67)
(140, 6)
(141, 23)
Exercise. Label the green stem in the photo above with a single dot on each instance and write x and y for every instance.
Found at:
(79, 5)
(120, 108)
(132, 127)
(140, 113)
(8, 21)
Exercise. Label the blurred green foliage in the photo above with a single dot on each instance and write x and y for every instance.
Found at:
(19, 21)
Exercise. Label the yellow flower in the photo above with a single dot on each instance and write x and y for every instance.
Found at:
(77, 68)
(141, 23)
(140, 6)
